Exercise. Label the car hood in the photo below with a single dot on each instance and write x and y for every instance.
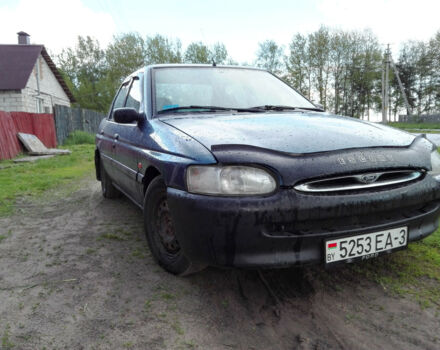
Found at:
(296, 132)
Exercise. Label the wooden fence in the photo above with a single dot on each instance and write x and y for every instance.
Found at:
(11, 123)
(70, 119)
(427, 118)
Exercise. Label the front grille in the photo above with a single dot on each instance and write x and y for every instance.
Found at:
(353, 223)
(359, 181)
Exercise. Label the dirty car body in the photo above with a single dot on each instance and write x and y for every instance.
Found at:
(257, 176)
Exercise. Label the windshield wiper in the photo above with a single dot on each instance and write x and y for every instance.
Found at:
(312, 109)
(209, 108)
(284, 108)
(274, 108)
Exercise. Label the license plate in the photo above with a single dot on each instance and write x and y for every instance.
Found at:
(365, 246)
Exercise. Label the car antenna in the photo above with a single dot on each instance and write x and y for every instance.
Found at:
(214, 64)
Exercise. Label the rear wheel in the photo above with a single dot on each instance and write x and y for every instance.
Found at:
(107, 188)
(160, 232)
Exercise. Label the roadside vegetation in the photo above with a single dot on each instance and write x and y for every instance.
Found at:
(31, 179)
(416, 126)
(80, 138)
(413, 272)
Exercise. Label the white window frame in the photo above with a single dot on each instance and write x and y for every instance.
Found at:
(39, 104)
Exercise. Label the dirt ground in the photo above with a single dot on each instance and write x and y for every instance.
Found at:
(76, 273)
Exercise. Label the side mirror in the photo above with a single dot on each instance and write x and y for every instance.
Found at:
(126, 115)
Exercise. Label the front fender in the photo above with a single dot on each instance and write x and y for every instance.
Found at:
(171, 151)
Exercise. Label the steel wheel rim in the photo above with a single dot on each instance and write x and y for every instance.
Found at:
(164, 230)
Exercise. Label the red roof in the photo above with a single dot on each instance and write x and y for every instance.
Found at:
(17, 62)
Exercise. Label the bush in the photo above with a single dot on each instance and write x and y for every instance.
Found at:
(80, 138)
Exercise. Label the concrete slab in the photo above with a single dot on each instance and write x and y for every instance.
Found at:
(51, 151)
(31, 142)
(32, 159)
(36, 148)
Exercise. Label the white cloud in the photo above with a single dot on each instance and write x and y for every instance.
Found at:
(393, 21)
(54, 23)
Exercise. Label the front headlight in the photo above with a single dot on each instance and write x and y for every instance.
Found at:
(435, 165)
(231, 180)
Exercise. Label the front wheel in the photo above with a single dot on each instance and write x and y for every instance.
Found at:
(159, 229)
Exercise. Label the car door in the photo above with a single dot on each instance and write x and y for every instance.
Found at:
(128, 144)
(109, 132)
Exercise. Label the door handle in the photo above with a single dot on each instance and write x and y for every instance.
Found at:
(116, 136)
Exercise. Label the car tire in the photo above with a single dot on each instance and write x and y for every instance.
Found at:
(159, 229)
(107, 188)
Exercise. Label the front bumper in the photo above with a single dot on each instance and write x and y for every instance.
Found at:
(289, 227)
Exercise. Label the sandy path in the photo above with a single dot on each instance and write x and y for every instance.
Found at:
(75, 273)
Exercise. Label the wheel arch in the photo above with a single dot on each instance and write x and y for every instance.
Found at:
(98, 164)
(151, 173)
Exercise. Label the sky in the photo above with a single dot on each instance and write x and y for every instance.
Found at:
(239, 24)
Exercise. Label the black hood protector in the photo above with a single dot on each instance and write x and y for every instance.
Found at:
(294, 168)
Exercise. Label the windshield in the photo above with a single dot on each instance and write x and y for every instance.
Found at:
(229, 88)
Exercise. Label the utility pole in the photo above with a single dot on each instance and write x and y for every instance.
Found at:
(402, 90)
(383, 92)
(388, 61)
(385, 85)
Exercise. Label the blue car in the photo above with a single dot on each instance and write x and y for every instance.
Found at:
(232, 167)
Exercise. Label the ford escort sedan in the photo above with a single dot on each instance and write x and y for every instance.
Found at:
(232, 167)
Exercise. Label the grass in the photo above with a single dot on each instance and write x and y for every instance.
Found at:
(412, 272)
(167, 296)
(138, 253)
(415, 126)
(80, 138)
(8, 234)
(177, 327)
(111, 236)
(32, 179)
(5, 340)
(90, 251)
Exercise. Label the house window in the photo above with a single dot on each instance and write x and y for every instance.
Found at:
(40, 105)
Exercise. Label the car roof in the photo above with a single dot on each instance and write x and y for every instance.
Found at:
(189, 65)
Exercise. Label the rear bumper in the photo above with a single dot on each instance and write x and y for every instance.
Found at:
(289, 228)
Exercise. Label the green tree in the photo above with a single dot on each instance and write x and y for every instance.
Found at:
(339, 49)
(338, 68)
(84, 68)
(319, 46)
(434, 47)
(298, 65)
(419, 68)
(218, 54)
(197, 52)
(124, 55)
(270, 56)
(160, 49)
